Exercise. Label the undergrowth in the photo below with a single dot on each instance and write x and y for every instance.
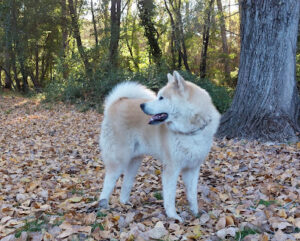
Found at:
(88, 94)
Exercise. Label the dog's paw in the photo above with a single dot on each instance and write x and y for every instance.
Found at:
(103, 203)
(124, 200)
(176, 217)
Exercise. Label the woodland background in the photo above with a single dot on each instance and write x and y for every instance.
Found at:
(245, 54)
(77, 50)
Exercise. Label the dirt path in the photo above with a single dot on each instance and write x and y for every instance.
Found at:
(51, 176)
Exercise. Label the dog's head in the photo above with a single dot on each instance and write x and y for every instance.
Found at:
(180, 104)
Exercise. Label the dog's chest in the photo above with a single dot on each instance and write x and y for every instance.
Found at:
(189, 150)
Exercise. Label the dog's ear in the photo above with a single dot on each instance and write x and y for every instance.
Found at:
(170, 78)
(179, 81)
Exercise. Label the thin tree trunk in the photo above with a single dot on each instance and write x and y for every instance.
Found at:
(181, 36)
(173, 50)
(64, 26)
(37, 70)
(7, 49)
(224, 44)
(15, 40)
(205, 40)
(266, 101)
(130, 47)
(94, 23)
(174, 45)
(76, 32)
(115, 18)
(0, 77)
(146, 8)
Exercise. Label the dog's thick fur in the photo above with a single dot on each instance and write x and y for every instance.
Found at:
(181, 141)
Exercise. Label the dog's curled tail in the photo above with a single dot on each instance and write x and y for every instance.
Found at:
(130, 90)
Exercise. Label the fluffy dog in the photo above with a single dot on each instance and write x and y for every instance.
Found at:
(179, 133)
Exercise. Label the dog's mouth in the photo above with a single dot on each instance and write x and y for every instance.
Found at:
(158, 118)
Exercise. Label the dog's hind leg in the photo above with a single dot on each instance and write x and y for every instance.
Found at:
(190, 179)
(112, 173)
(128, 179)
(169, 182)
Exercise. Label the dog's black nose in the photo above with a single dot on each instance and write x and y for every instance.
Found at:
(142, 106)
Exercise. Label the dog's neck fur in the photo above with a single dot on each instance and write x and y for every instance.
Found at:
(191, 133)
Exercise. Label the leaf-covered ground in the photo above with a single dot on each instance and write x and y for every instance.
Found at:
(51, 177)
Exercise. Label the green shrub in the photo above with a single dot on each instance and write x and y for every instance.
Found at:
(91, 93)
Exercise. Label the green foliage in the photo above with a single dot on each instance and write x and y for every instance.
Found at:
(101, 215)
(266, 203)
(95, 225)
(158, 195)
(32, 226)
(220, 95)
(246, 231)
(90, 94)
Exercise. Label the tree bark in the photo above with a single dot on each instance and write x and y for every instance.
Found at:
(8, 49)
(94, 23)
(181, 37)
(64, 26)
(14, 41)
(174, 43)
(115, 17)
(205, 40)
(130, 46)
(146, 10)
(76, 32)
(266, 102)
(224, 44)
(177, 33)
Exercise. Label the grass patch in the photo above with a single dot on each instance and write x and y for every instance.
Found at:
(7, 112)
(243, 233)
(32, 226)
(101, 215)
(158, 195)
(77, 192)
(95, 225)
(266, 203)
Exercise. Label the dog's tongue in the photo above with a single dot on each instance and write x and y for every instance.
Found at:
(155, 119)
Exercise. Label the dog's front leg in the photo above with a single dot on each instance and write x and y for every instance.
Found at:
(190, 179)
(169, 182)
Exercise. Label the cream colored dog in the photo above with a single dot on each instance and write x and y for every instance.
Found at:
(179, 133)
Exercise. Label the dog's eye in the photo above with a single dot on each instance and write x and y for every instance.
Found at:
(161, 98)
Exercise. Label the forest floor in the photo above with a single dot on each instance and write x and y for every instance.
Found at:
(51, 177)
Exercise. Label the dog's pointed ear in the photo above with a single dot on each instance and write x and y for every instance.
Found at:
(170, 78)
(180, 82)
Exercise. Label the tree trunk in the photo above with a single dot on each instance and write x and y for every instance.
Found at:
(94, 23)
(266, 102)
(64, 26)
(181, 36)
(7, 49)
(75, 26)
(177, 32)
(225, 57)
(0, 77)
(174, 42)
(37, 69)
(146, 10)
(115, 17)
(15, 40)
(205, 40)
